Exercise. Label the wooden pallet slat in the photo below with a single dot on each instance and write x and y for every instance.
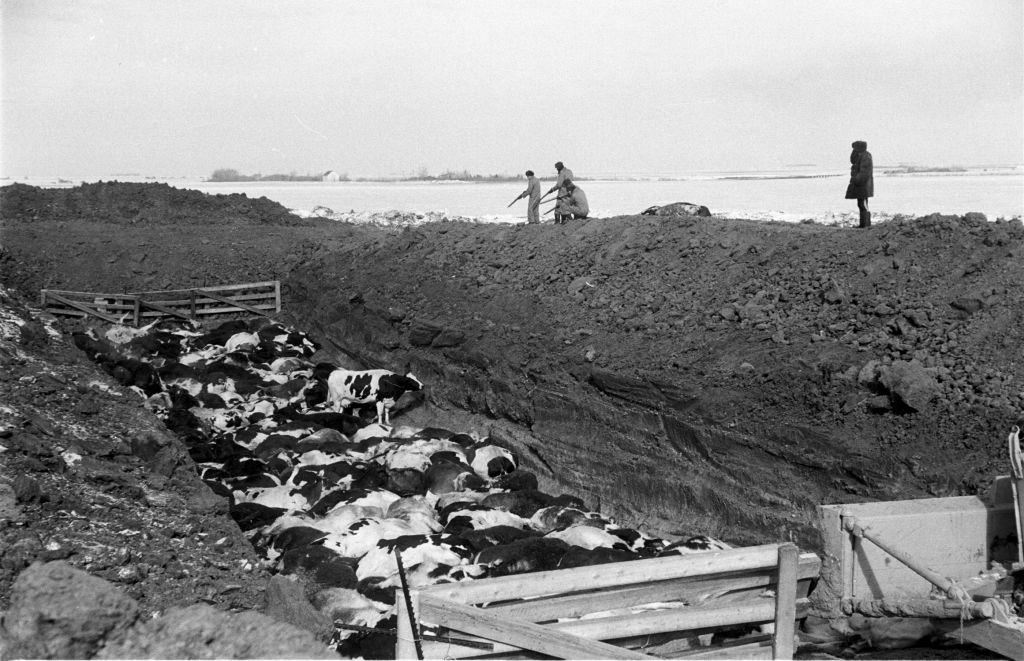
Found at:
(81, 307)
(161, 308)
(710, 591)
(259, 298)
(565, 581)
(229, 301)
(719, 589)
(521, 634)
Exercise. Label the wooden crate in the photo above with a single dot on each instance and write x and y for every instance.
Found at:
(138, 308)
(963, 540)
(522, 614)
(954, 536)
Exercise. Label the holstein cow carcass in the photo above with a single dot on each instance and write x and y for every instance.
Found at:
(382, 387)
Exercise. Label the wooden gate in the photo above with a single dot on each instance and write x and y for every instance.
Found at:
(567, 613)
(259, 298)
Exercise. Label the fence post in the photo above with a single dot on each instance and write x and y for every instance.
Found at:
(192, 302)
(138, 309)
(277, 296)
(785, 602)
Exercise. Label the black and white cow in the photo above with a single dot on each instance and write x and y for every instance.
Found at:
(382, 387)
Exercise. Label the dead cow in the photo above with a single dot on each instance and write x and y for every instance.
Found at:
(345, 388)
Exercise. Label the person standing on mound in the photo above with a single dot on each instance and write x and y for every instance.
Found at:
(564, 174)
(533, 192)
(862, 182)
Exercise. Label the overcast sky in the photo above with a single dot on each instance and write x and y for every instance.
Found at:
(180, 88)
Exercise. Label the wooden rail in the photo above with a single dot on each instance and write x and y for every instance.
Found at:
(260, 298)
(540, 612)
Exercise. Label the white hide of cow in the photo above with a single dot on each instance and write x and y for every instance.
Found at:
(371, 431)
(119, 334)
(348, 606)
(286, 365)
(404, 431)
(485, 454)
(339, 519)
(418, 561)
(587, 537)
(421, 447)
(206, 353)
(279, 496)
(267, 407)
(317, 458)
(368, 532)
(481, 519)
(381, 498)
(242, 341)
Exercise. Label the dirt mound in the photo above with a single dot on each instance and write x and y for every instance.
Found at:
(131, 203)
(684, 373)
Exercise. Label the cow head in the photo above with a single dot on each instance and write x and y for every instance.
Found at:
(411, 382)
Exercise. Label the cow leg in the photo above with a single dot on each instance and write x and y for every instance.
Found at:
(381, 413)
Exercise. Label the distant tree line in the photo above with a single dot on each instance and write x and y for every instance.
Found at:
(229, 174)
(461, 175)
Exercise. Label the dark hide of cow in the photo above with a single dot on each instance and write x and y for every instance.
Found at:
(520, 503)
(221, 334)
(577, 556)
(253, 515)
(519, 480)
(478, 540)
(297, 537)
(523, 555)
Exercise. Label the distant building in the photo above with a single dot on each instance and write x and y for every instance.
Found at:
(330, 175)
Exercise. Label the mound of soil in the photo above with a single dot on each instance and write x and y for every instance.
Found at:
(114, 202)
(688, 374)
(89, 477)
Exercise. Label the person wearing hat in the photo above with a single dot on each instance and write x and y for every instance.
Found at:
(564, 174)
(862, 181)
(575, 203)
(533, 190)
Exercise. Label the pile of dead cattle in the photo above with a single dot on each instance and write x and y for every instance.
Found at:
(330, 496)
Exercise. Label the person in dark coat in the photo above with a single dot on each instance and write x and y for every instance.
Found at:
(862, 182)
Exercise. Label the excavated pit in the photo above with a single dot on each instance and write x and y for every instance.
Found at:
(685, 374)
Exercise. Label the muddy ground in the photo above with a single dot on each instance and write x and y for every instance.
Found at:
(686, 375)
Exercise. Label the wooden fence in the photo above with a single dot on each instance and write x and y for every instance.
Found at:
(535, 613)
(259, 298)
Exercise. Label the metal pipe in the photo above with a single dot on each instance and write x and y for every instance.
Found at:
(948, 587)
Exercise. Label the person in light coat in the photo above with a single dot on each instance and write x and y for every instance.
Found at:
(533, 191)
(575, 203)
(862, 181)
